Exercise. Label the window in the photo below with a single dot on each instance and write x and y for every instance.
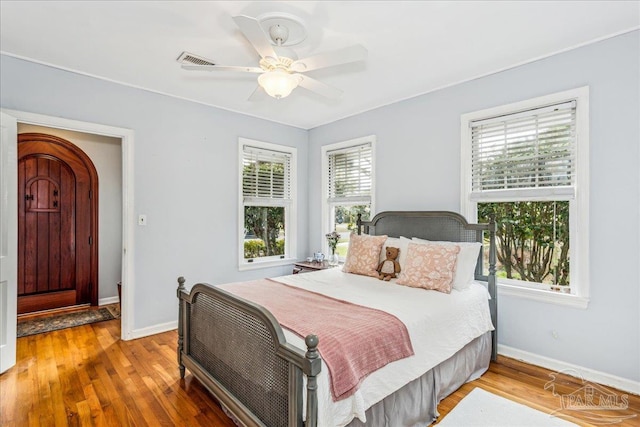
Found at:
(348, 183)
(267, 220)
(527, 164)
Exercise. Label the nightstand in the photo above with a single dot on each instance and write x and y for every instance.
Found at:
(307, 267)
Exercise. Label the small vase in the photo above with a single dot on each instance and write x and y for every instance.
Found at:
(333, 259)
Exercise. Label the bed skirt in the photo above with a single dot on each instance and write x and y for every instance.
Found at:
(416, 404)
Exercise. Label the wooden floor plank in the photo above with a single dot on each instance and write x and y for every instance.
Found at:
(84, 414)
(96, 411)
(87, 376)
(59, 412)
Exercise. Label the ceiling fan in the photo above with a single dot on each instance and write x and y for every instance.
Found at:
(280, 69)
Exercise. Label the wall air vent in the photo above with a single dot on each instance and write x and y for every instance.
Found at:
(190, 58)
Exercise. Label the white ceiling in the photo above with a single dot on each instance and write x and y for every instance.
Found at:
(414, 47)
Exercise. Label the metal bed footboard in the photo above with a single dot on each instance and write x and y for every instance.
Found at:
(238, 351)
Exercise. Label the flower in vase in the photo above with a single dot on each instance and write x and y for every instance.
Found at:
(332, 239)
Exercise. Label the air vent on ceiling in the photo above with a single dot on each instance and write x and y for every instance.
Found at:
(190, 58)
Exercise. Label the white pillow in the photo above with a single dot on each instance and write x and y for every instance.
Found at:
(466, 263)
(401, 243)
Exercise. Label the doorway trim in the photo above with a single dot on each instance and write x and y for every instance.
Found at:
(127, 138)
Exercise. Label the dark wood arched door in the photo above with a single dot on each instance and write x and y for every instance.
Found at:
(57, 224)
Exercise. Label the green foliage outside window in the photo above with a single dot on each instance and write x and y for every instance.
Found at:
(264, 226)
(255, 248)
(532, 240)
(349, 215)
(345, 224)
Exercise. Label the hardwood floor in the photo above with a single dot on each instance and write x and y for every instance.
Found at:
(86, 376)
(525, 384)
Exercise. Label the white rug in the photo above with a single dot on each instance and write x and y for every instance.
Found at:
(483, 409)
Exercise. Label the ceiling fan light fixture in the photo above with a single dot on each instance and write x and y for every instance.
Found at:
(278, 83)
(280, 71)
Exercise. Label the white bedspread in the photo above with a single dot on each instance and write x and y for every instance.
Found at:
(439, 325)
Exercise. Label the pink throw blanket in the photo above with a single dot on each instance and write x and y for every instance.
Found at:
(354, 340)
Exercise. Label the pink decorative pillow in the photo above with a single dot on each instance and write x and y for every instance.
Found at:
(466, 264)
(364, 254)
(429, 267)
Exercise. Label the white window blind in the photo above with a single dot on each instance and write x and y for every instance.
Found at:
(349, 174)
(529, 150)
(266, 176)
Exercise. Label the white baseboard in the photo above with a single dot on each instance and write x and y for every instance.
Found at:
(108, 300)
(152, 330)
(587, 374)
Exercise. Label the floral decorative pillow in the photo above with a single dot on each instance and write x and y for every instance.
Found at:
(429, 267)
(467, 259)
(364, 254)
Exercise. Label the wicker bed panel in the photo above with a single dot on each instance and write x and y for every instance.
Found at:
(255, 375)
(440, 228)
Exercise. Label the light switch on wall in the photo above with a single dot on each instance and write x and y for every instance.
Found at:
(142, 220)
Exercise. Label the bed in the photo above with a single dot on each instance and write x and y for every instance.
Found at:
(265, 375)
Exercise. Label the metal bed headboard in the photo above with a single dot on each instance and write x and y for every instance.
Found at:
(443, 226)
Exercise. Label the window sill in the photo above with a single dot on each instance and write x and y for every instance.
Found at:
(266, 264)
(552, 297)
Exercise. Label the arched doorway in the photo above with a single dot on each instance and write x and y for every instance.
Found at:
(57, 224)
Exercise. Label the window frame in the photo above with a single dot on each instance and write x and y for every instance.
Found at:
(578, 205)
(290, 225)
(328, 208)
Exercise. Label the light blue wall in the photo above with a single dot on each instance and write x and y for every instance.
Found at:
(418, 167)
(186, 175)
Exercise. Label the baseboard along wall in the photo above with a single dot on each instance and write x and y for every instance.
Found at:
(586, 374)
(152, 330)
(108, 300)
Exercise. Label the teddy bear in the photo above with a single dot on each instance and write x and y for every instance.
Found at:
(388, 268)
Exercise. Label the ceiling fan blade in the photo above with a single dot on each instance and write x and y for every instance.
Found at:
(223, 68)
(318, 87)
(329, 59)
(258, 95)
(252, 30)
